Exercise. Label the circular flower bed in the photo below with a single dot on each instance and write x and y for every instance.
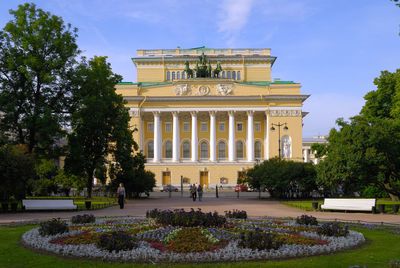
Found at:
(145, 240)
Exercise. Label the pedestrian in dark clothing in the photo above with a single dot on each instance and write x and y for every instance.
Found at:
(200, 192)
(194, 192)
(121, 195)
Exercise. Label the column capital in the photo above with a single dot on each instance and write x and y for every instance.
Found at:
(212, 113)
(231, 113)
(175, 113)
(250, 113)
(156, 113)
(193, 113)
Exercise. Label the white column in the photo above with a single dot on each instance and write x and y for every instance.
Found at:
(213, 154)
(157, 137)
(175, 137)
(194, 136)
(306, 155)
(250, 136)
(231, 142)
(266, 139)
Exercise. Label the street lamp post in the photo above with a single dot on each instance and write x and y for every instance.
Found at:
(279, 125)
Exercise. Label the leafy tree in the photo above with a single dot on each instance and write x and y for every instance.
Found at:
(45, 184)
(68, 181)
(37, 60)
(16, 168)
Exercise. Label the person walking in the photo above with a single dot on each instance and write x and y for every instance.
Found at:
(121, 195)
(194, 192)
(200, 192)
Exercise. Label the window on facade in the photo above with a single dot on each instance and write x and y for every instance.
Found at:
(168, 76)
(168, 127)
(185, 180)
(194, 74)
(178, 75)
(233, 75)
(223, 74)
(203, 127)
(257, 126)
(229, 74)
(239, 76)
(257, 149)
(239, 127)
(221, 126)
(183, 75)
(173, 75)
(186, 127)
(221, 150)
(150, 149)
(186, 149)
(150, 127)
(168, 149)
(223, 180)
(239, 150)
(204, 150)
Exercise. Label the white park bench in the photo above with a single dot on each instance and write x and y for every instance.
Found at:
(48, 204)
(349, 204)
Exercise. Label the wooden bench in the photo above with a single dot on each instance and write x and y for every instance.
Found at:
(349, 204)
(48, 204)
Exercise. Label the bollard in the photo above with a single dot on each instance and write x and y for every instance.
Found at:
(216, 191)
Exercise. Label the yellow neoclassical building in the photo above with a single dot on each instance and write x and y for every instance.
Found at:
(209, 130)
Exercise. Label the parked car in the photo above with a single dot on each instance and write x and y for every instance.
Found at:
(169, 188)
(241, 188)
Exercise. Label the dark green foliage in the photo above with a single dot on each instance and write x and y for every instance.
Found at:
(117, 241)
(45, 183)
(374, 192)
(283, 178)
(306, 220)
(37, 60)
(333, 229)
(260, 240)
(53, 227)
(86, 218)
(16, 169)
(179, 217)
(236, 214)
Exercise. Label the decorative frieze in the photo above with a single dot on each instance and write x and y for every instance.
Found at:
(285, 112)
(182, 90)
(134, 112)
(203, 91)
(224, 89)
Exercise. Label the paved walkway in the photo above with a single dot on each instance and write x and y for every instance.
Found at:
(254, 207)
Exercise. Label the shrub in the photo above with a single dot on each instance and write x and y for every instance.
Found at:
(179, 217)
(117, 241)
(236, 214)
(333, 229)
(53, 227)
(306, 220)
(260, 240)
(79, 219)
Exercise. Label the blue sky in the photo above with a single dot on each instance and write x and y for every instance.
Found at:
(334, 48)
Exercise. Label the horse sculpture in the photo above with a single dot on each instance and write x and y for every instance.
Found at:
(189, 72)
(218, 69)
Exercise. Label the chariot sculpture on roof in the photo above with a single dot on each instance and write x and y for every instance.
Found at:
(204, 69)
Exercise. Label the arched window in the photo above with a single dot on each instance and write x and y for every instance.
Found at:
(183, 75)
(178, 75)
(223, 74)
(239, 150)
(150, 149)
(168, 149)
(233, 75)
(239, 76)
(173, 75)
(186, 149)
(168, 76)
(204, 150)
(221, 150)
(229, 74)
(257, 150)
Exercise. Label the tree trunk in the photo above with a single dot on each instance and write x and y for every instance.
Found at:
(394, 197)
(89, 183)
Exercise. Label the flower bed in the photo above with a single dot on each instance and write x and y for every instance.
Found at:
(178, 244)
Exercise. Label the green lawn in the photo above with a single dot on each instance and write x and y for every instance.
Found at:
(307, 205)
(381, 247)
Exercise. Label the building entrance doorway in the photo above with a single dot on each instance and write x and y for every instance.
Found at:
(204, 178)
(166, 177)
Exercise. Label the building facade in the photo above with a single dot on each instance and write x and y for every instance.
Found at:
(209, 130)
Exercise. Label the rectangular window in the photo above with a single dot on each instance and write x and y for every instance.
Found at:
(221, 126)
(239, 127)
(223, 180)
(186, 127)
(168, 127)
(257, 126)
(203, 126)
(150, 127)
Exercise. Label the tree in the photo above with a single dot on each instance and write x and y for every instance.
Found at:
(45, 183)
(67, 181)
(37, 60)
(96, 122)
(366, 150)
(16, 169)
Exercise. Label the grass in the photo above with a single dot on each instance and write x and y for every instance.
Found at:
(307, 205)
(381, 247)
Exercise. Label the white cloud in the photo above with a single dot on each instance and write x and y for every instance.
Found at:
(232, 17)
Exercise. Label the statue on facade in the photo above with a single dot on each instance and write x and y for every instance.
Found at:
(218, 69)
(204, 69)
(286, 147)
(189, 72)
(209, 69)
